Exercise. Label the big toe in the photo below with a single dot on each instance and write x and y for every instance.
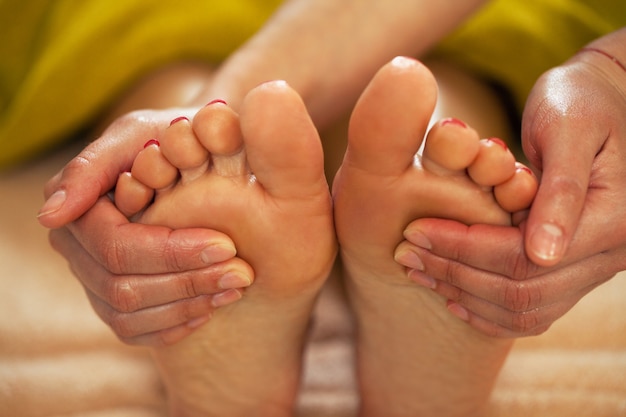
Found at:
(283, 148)
(390, 119)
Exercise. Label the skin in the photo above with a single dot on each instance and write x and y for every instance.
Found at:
(374, 194)
(501, 312)
(583, 103)
(77, 188)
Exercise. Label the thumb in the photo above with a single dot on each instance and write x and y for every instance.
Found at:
(94, 172)
(564, 153)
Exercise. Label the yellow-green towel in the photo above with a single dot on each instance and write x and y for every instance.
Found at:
(515, 41)
(63, 61)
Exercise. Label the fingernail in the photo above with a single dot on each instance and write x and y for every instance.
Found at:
(453, 121)
(422, 279)
(547, 242)
(53, 203)
(227, 297)
(197, 322)
(232, 280)
(458, 310)
(499, 142)
(418, 239)
(409, 259)
(217, 252)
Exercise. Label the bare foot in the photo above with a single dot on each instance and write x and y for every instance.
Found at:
(414, 357)
(259, 179)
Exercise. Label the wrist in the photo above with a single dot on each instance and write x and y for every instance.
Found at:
(611, 47)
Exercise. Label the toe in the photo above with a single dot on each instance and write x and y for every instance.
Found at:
(152, 168)
(494, 163)
(282, 145)
(390, 119)
(519, 191)
(131, 196)
(181, 147)
(451, 146)
(218, 130)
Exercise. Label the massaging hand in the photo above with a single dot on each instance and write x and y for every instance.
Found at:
(152, 285)
(513, 282)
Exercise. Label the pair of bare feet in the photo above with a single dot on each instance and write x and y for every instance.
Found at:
(259, 177)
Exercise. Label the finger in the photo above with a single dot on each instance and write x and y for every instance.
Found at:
(490, 248)
(83, 180)
(168, 336)
(128, 293)
(450, 279)
(125, 248)
(149, 320)
(563, 145)
(489, 328)
(95, 170)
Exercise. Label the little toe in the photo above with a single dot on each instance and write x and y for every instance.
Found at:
(218, 130)
(131, 196)
(283, 148)
(390, 119)
(494, 163)
(451, 146)
(182, 149)
(152, 168)
(518, 192)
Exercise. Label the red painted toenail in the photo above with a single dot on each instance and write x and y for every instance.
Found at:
(216, 101)
(453, 121)
(152, 142)
(178, 119)
(525, 169)
(499, 142)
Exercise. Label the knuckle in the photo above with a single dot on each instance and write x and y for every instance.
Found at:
(525, 322)
(517, 265)
(520, 296)
(122, 295)
(173, 253)
(452, 271)
(114, 256)
(120, 324)
(188, 287)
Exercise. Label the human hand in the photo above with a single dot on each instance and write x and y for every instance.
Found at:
(574, 134)
(152, 285)
(490, 282)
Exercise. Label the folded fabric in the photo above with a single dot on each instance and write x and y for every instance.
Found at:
(64, 61)
(514, 41)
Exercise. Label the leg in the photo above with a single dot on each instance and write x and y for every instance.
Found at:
(414, 357)
(262, 183)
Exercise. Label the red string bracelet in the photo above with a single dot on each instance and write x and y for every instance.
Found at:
(606, 54)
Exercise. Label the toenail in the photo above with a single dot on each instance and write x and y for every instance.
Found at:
(151, 142)
(403, 62)
(217, 101)
(499, 142)
(524, 169)
(178, 119)
(453, 121)
(547, 241)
